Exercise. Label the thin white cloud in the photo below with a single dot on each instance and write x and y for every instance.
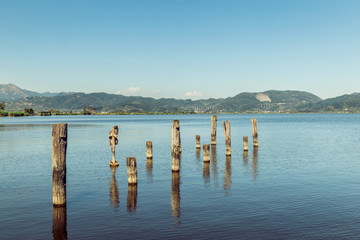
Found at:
(129, 91)
(193, 94)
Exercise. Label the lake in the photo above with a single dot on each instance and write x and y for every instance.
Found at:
(303, 182)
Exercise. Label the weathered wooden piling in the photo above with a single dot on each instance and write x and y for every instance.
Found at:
(131, 170)
(254, 132)
(59, 227)
(132, 198)
(59, 144)
(197, 138)
(206, 152)
(213, 129)
(245, 143)
(149, 150)
(226, 125)
(113, 141)
(175, 136)
(175, 161)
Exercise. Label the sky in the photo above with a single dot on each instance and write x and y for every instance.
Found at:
(186, 49)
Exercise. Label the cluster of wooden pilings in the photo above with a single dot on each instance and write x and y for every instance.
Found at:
(59, 145)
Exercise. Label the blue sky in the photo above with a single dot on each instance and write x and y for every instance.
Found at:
(181, 48)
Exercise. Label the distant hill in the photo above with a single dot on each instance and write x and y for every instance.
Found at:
(344, 103)
(18, 99)
(11, 92)
(269, 101)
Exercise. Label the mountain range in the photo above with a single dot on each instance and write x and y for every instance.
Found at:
(18, 99)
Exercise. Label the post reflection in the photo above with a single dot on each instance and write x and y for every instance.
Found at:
(149, 168)
(254, 164)
(59, 227)
(214, 169)
(175, 197)
(132, 198)
(227, 176)
(245, 158)
(114, 190)
(197, 154)
(206, 174)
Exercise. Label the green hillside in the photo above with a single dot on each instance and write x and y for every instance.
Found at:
(269, 101)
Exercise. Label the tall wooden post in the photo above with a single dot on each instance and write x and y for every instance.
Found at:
(197, 138)
(175, 146)
(206, 152)
(213, 129)
(131, 170)
(59, 144)
(254, 132)
(175, 161)
(227, 137)
(175, 136)
(113, 141)
(149, 151)
(245, 143)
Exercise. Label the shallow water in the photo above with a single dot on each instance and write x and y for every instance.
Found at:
(301, 183)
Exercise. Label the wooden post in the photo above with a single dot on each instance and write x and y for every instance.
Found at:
(198, 145)
(175, 160)
(206, 152)
(59, 144)
(175, 136)
(254, 132)
(132, 198)
(227, 137)
(213, 129)
(175, 146)
(131, 170)
(245, 143)
(113, 141)
(149, 151)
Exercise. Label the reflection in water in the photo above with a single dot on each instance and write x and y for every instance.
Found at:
(245, 158)
(206, 174)
(149, 167)
(132, 198)
(175, 197)
(254, 164)
(59, 223)
(114, 190)
(214, 170)
(227, 177)
(198, 151)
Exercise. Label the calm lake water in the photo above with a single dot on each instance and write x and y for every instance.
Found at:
(303, 182)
